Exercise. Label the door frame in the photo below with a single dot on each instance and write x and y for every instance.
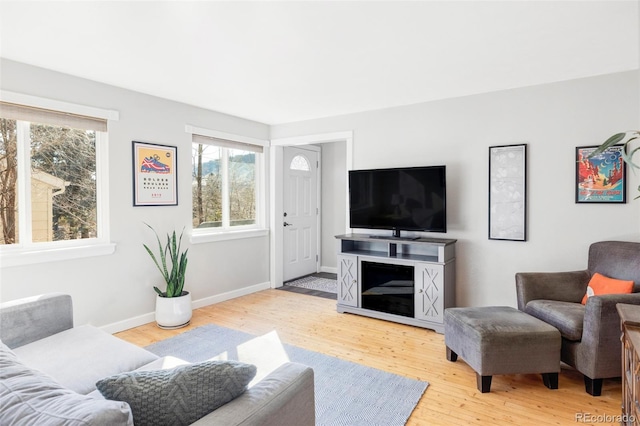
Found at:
(276, 204)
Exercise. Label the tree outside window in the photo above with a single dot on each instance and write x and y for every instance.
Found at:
(48, 179)
(224, 186)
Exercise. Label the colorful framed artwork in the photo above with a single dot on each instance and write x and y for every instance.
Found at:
(601, 178)
(154, 175)
(508, 192)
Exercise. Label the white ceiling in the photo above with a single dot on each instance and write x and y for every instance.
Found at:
(279, 62)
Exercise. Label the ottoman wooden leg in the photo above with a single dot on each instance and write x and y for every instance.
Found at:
(550, 380)
(451, 355)
(484, 383)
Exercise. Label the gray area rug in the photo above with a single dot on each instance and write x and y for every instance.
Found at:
(315, 283)
(346, 393)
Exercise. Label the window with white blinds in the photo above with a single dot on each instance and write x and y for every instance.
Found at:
(227, 180)
(52, 177)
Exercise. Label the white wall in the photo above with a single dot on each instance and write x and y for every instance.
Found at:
(553, 120)
(116, 290)
(334, 202)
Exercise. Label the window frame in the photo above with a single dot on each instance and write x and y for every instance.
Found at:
(29, 252)
(204, 235)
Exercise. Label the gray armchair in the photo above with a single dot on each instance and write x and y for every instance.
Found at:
(591, 332)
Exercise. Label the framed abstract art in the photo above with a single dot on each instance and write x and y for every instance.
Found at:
(508, 192)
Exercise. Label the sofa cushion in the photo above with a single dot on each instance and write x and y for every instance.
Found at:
(77, 358)
(163, 363)
(599, 284)
(29, 397)
(567, 317)
(181, 395)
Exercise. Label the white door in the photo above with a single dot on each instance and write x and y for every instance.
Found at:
(300, 219)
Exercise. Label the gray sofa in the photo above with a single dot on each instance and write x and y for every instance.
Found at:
(591, 332)
(41, 343)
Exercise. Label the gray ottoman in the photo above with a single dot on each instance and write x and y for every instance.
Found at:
(502, 340)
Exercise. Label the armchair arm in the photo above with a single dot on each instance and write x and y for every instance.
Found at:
(599, 353)
(26, 320)
(561, 286)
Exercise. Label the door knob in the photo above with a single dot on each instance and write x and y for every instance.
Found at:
(287, 224)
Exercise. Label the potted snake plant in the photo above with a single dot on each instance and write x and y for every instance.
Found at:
(173, 306)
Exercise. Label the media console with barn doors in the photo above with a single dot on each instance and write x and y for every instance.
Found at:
(410, 281)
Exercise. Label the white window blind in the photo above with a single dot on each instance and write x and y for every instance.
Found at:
(45, 116)
(208, 140)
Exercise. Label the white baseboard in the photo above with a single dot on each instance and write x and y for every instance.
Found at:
(129, 323)
(211, 300)
(329, 269)
(195, 304)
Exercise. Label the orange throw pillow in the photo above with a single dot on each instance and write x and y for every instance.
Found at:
(599, 284)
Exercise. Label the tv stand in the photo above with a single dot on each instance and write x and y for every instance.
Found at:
(410, 281)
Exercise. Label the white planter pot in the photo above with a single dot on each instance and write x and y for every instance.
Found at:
(173, 312)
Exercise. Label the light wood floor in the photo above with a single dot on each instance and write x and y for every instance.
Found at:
(451, 398)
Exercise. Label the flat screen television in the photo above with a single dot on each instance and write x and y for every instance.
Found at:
(399, 199)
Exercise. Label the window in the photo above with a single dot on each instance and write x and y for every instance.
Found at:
(299, 162)
(52, 193)
(226, 183)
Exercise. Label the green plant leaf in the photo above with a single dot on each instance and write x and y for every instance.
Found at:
(628, 158)
(615, 139)
(154, 260)
(608, 143)
(174, 274)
